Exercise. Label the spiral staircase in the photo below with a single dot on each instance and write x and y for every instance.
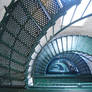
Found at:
(33, 58)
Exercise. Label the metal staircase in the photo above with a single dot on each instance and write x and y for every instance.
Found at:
(24, 24)
(69, 51)
(67, 47)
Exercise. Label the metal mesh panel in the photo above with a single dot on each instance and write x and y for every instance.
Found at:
(18, 57)
(4, 50)
(17, 75)
(32, 28)
(19, 14)
(16, 66)
(18, 83)
(41, 17)
(51, 6)
(4, 62)
(35, 10)
(13, 27)
(3, 71)
(5, 82)
(26, 38)
(21, 48)
(7, 38)
(31, 5)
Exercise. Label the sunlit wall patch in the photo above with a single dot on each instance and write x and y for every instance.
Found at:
(60, 3)
(76, 12)
(30, 82)
(68, 2)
